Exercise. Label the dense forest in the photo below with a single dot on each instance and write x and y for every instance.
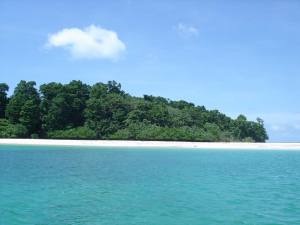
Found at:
(104, 111)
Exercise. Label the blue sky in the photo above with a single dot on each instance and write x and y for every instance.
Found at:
(235, 56)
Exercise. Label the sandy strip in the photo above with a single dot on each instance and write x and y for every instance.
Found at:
(167, 144)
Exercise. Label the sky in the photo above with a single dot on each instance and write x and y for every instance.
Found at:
(240, 57)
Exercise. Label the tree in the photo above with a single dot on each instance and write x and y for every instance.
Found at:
(244, 130)
(240, 127)
(106, 110)
(25, 99)
(77, 95)
(52, 107)
(3, 98)
(29, 116)
(63, 105)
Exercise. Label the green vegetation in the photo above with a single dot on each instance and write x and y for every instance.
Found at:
(3, 99)
(104, 111)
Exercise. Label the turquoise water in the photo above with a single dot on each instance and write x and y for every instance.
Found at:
(68, 185)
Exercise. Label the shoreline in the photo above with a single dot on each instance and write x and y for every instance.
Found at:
(153, 144)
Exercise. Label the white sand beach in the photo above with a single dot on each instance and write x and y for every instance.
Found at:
(161, 144)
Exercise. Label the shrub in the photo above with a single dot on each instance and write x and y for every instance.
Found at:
(8, 130)
(74, 133)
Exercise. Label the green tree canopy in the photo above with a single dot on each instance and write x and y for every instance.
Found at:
(107, 109)
(63, 105)
(23, 107)
(3, 98)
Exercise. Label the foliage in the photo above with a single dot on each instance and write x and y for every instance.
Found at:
(29, 116)
(147, 131)
(104, 111)
(63, 105)
(8, 130)
(24, 107)
(3, 98)
(73, 133)
(107, 109)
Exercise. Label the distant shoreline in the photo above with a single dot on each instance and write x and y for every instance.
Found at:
(160, 144)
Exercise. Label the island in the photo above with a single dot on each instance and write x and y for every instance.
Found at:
(104, 111)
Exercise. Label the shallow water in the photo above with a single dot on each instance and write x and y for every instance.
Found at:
(74, 185)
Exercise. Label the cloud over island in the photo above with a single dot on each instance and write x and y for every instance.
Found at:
(88, 43)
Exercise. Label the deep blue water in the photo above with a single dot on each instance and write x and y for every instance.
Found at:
(112, 186)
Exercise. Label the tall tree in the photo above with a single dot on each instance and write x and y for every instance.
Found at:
(30, 116)
(23, 106)
(77, 94)
(52, 106)
(107, 109)
(3, 98)
(63, 105)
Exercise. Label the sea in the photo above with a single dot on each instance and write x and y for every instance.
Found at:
(148, 186)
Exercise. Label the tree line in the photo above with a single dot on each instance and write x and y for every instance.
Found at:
(104, 111)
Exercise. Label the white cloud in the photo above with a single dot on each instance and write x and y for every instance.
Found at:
(90, 42)
(187, 30)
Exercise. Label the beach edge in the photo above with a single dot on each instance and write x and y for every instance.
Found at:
(159, 144)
